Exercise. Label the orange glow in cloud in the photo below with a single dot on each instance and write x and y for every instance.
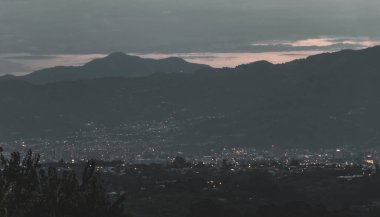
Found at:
(360, 42)
(319, 42)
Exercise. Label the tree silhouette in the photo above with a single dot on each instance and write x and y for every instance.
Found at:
(210, 208)
(27, 190)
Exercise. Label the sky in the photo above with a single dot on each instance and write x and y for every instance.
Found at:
(41, 33)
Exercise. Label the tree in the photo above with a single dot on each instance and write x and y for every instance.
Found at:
(27, 190)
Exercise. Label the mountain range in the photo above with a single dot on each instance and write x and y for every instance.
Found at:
(324, 100)
(114, 65)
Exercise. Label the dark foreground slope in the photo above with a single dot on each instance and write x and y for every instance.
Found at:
(323, 100)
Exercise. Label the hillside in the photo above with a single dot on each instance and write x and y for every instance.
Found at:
(324, 100)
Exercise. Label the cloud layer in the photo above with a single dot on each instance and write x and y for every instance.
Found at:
(167, 26)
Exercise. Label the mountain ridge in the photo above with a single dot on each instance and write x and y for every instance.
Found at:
(116, 64)
(119, 64)
(322, 101)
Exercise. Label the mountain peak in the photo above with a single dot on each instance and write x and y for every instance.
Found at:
(258, 65)
(116, 64)
(116, 54)
(120, 56)
(262, 63)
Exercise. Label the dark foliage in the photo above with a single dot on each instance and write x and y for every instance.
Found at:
(293, 209)
(210, 208)
(27, 190)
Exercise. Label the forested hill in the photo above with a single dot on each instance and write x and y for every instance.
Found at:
(323, 100)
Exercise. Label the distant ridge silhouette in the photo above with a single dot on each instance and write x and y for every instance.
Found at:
(117, 64)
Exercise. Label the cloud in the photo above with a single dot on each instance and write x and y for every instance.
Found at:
(319, 43)
(10, 67)
(276, 51)
(329, 42)
(98, 26)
